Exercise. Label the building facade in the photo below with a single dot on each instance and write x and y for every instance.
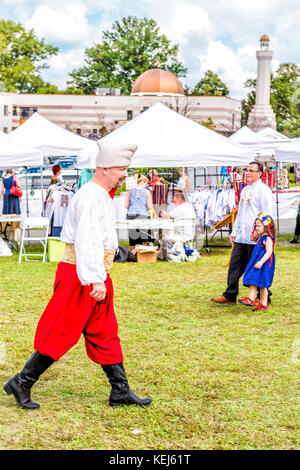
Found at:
(102, 113)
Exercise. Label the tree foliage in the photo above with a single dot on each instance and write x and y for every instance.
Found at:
(131, 47)
(22, 57)
(209, 123)
(49, 89)
(284, 98)
(210, 85)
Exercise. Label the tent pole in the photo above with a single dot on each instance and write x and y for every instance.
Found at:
(42, 191)
(277, 202)
(26, 187)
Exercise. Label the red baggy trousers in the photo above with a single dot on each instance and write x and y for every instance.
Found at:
(72, 311)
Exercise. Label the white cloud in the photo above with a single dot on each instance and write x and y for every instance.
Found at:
(182, 20)
(65, 61)
(229, 65)
(67, 24)
(61, 65)
(219, 34)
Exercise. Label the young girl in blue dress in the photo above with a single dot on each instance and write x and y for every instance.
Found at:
(260, 270)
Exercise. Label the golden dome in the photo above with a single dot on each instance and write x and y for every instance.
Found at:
(264, 38)
(157, 82)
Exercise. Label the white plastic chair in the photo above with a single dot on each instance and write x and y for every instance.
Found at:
(40, 224)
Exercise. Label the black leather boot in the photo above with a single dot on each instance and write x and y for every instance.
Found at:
(20, 384)
(120, 391)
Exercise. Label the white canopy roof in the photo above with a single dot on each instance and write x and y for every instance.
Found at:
(168, 139)
(246, 136)
(14, 155)
(273, 135)
(289, 152)
(54, 140)
(262, 143)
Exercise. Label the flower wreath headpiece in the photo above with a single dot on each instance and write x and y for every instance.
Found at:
(267, 221)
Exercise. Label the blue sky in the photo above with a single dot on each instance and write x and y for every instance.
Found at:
(221, 35)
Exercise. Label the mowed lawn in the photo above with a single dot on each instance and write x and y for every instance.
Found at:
(221, 377)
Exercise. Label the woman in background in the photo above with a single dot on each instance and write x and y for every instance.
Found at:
(138, 201)
(56, 178)
(11, 203)
(184, 183)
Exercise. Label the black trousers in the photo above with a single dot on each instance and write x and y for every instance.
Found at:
(240, 257)
(297, 228)
(136, 236)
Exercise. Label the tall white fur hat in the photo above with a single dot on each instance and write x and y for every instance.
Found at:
(114, 155)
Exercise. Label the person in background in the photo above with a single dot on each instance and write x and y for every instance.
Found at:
(11, 203)
(154, 179)
(182, 210)
(57, 177)
(138, 201)
(256, 197)
(184, 183)
(297, 228)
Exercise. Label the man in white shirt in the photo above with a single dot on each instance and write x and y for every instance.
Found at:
(182, 210)
(256, 197)
(82, 302)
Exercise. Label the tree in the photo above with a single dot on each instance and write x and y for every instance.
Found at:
(22, 57)
(249, 102)
(210, 85)
(285, 86)
(209, 123)
(48, 89)
(284, 98)
(129, 49)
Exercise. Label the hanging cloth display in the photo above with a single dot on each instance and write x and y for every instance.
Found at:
(85, 176)
(56, 205)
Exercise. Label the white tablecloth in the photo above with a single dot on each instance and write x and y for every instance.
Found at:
(145, 224)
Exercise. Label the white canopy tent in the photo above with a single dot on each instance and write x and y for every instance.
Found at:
(15, 155)
(288, 152)
(246, 136)
(273, 135)
(53, 140)
(263, 143)
(168, 139)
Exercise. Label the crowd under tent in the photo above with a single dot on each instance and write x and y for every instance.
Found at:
(167, 139)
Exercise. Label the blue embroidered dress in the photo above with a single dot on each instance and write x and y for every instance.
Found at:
(262, 277)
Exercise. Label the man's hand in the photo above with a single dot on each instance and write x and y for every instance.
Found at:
(232, 238)
(99, 291)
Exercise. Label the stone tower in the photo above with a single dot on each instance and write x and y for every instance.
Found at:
(262, 115)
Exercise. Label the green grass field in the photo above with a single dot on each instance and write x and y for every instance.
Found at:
(221, 377)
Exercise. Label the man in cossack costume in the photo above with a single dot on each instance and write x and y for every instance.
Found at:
(82, 301)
